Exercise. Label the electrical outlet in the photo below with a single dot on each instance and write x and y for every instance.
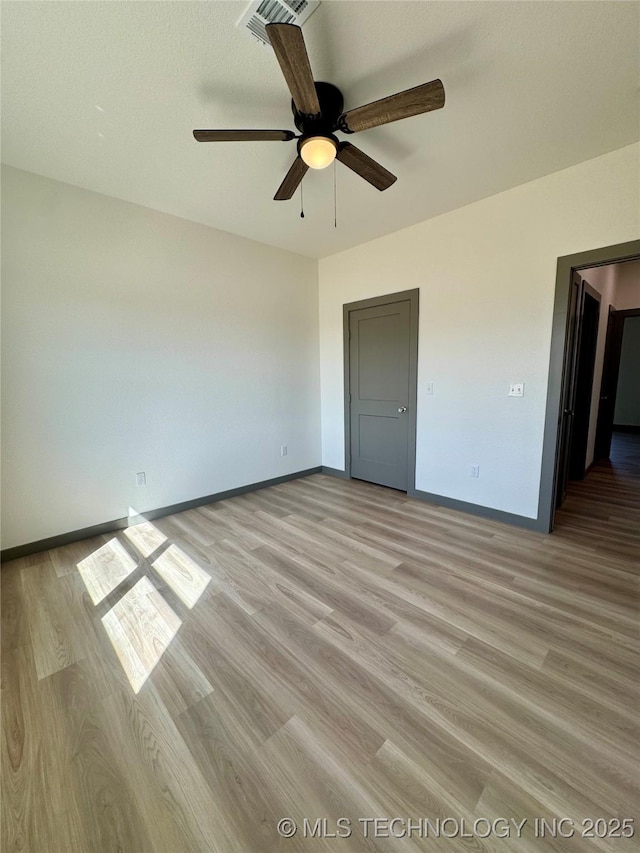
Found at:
(475, 470)
(428, 388)
(141, 479)
(283, 450)
(516, 389)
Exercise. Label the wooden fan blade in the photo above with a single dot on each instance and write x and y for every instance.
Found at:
(292, 180)
(411, 102)
(288, 45)
(243, 135)
(363, 165)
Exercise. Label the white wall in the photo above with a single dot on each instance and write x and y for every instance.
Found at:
(136, 341)
(628, 285)
(619, 286)
(486, 275)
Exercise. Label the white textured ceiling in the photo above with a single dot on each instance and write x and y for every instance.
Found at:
(105, 95)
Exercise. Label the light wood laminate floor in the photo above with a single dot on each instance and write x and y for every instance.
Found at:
(332, 649)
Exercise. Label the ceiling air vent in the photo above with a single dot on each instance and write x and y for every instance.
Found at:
(264, 12)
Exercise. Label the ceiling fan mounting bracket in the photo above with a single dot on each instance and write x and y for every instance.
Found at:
(342, 125)
(331, 106)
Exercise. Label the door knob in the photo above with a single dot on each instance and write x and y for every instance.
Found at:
(402, 408)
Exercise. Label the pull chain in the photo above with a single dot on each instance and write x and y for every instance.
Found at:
(335, 198)
(301, 202)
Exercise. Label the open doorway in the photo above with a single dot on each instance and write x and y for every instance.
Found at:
(597, 293)
(619, 405)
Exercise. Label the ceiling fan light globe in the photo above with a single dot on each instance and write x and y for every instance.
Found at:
(318, 152)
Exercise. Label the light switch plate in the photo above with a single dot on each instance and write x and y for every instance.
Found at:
(516, 389)
(428, 388)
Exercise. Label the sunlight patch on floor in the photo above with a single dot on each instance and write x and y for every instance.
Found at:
(104, 569)
(141, 626)
(184, 576)
(145, 537)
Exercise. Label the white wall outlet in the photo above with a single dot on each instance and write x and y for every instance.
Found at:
(141, 479)
(283, 450)
(475, 470)
(516, 389)
(428, 388)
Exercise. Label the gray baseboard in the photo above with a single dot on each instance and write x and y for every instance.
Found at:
(461, 506)
(120, 523)
(335, 472)
(479, 510)
(62, 539)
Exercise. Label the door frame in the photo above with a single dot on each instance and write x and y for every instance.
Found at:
(558, 361)
(413, 297)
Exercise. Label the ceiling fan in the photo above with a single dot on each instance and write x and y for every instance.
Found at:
(317, 113)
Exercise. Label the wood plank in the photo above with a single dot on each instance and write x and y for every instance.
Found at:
(53, 639)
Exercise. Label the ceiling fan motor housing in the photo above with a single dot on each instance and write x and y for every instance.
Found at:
(331, 107)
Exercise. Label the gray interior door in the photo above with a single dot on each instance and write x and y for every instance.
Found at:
(569, 388)
(379, 371)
